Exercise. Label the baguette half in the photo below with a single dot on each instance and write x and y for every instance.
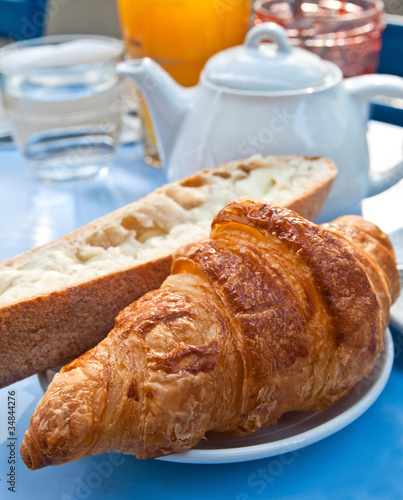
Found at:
(61, 299)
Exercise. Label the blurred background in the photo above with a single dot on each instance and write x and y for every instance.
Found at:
(101, 17)
(21, 19)
(83, 16)
(87, 16)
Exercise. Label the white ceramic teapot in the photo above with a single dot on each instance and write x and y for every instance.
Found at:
(267, 98)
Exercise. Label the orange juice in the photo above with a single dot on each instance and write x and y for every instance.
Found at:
(181, 35)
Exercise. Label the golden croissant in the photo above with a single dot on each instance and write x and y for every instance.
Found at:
(271, 314)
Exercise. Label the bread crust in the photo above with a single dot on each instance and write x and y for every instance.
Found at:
(47, 328)
(52, 330)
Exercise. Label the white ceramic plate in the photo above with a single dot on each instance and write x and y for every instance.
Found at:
(396, 312)
(296, 429)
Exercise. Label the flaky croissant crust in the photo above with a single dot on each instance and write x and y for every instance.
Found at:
(271, 314)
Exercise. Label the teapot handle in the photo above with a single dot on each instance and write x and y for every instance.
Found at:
(362, 89)
(268, 31)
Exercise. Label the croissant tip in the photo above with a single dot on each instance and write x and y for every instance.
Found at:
(26, 455)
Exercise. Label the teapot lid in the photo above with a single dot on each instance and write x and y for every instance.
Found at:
(261, 66)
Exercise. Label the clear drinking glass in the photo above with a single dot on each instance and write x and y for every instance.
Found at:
(345, 32)
(64, 101)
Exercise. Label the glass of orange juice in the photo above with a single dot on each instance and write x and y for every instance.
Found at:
(181, 35)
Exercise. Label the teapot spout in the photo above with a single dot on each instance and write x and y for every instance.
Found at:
(168, 102)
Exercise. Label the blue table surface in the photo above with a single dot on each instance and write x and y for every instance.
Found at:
(362, 461)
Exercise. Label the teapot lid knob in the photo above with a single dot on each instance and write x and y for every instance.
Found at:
(260, 66)
(268, 31)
